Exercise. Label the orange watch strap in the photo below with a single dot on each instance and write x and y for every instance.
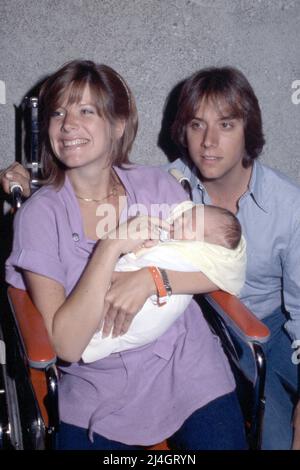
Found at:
(159, 283)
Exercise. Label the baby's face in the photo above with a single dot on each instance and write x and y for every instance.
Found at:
(190, 225)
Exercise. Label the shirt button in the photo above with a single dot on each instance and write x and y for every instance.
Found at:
(75, 237)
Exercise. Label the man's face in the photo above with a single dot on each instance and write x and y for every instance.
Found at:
(216, 141)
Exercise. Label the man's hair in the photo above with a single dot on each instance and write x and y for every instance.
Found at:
(111, 96)
(225, 85)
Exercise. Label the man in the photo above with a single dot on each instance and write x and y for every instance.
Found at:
(219, 130)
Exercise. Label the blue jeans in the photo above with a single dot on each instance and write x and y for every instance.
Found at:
(281, 384)
(216, 426)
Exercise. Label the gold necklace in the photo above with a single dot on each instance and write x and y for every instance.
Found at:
(114, 192)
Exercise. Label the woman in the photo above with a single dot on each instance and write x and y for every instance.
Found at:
(180, 385)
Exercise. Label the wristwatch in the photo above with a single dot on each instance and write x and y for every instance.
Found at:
(163, 288)
(166, 281)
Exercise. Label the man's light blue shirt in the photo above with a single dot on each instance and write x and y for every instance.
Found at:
(269, 213)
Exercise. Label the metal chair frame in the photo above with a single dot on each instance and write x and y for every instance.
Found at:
(37, 359)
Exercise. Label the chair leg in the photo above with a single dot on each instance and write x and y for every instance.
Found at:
(52, 397)
(256, 428)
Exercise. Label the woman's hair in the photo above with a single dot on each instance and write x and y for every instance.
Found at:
(111, 96)
(221, 85)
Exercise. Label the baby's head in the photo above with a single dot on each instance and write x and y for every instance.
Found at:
(211, 224)
(221, 227)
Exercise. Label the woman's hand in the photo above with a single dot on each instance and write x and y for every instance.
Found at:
(129, 291)
(137, 232)
(15, 173)
(126, 296)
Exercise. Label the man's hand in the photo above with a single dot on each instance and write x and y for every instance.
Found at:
(126, 296)
(15, 173)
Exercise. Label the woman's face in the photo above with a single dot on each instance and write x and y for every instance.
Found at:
(78, 135)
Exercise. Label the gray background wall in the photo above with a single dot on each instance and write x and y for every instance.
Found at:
(154, 44)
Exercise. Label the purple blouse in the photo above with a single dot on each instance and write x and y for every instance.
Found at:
(140, 396)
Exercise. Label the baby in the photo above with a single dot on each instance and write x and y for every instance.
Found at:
(203, 238)
(209, 224)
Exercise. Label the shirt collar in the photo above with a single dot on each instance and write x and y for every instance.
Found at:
(256, 187)
(122, 173)
(67, 194)
(190, 172)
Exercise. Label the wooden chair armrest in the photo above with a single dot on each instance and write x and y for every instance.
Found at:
(238, 317)
(33, 333)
